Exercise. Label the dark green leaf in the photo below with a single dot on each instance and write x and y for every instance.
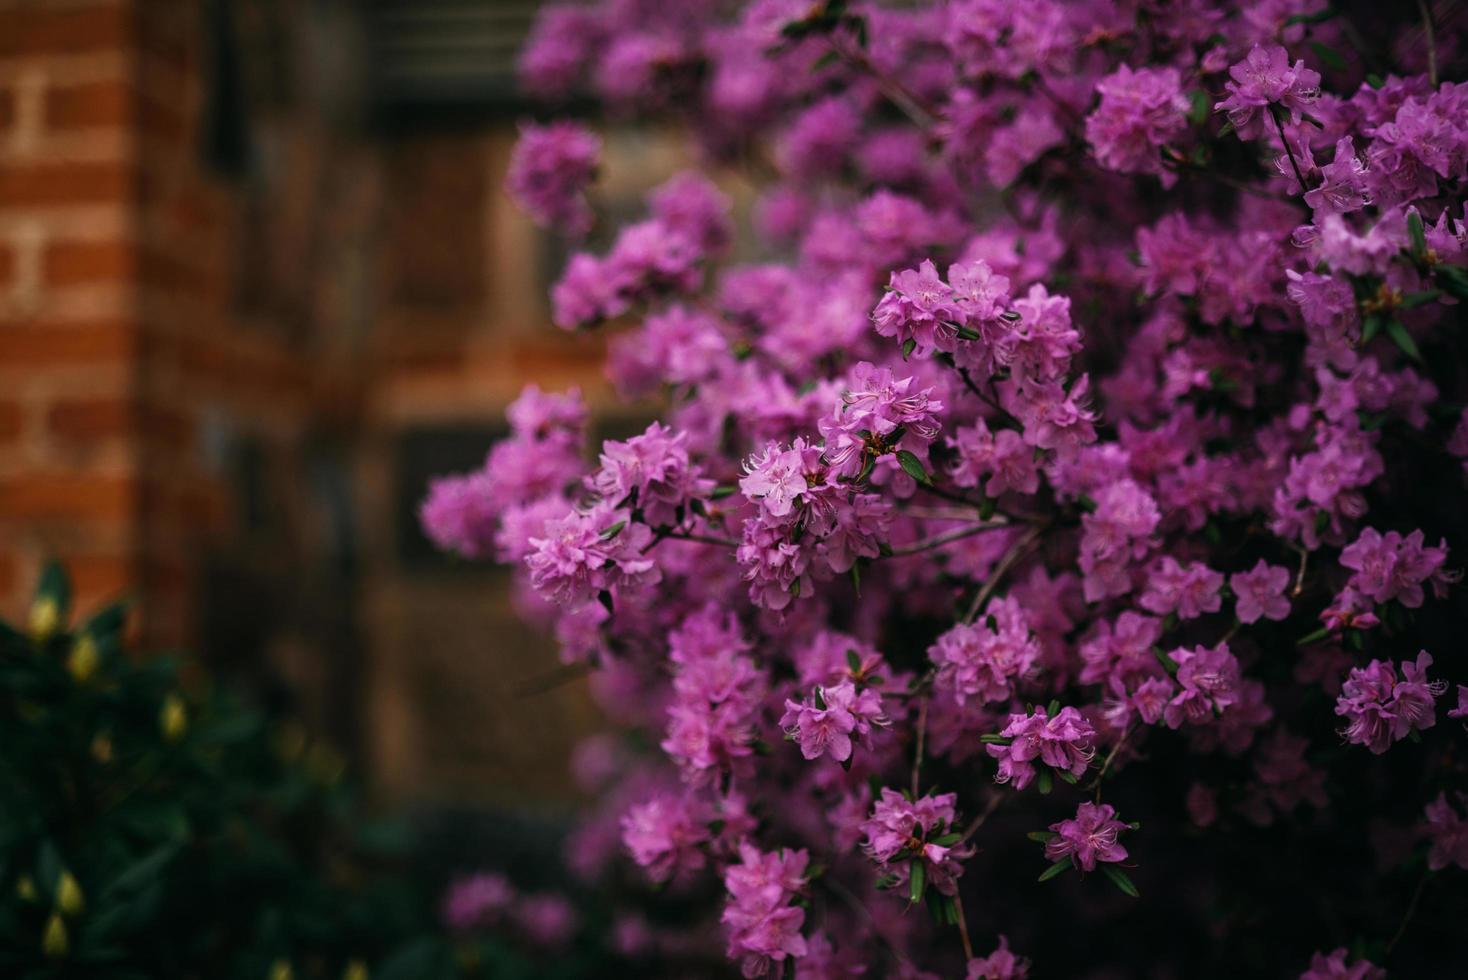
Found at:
(1120, 880)
(1328, 56)
(917, 880)
(1453, 280)
(1055, 869)
(1046, 782)
(1415, 235)
(1041, 836)
(912, 466)
(908, 346)
(1399, 335)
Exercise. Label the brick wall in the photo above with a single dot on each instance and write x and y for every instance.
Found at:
(70, 474)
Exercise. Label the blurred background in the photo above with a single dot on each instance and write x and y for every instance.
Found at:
(258, 283)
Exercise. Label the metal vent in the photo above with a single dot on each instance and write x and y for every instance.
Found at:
(453, 55)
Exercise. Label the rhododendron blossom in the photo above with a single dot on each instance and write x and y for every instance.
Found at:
(1057, 409)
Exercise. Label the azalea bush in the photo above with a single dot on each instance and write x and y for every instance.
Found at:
(1045, 558)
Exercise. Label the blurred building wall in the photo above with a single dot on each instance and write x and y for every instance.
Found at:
(241, 320)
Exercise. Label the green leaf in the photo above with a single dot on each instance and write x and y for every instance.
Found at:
(856, 578)
(908, 346)
(1042, 836)
(613, 531)
(1420, 298)
(1370, 327)
(996, 740)
(1055, 869)
(1453, 280)
(1314, 637)
(1399, 335)
(1053, 708)
(1046, 782)
(948, 840)
(1375, 80)
(1328, 56)
(1120, 880)
(1066, 776)
(917, 880)
(853, 660)
(721, 492)
(912, 466)
(1415, 234)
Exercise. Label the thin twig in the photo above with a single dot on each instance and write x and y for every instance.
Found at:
(917, 755)
(973, 825)
(1427, 29)
(552, 679)
(1010, 557)
(1300, 575)
(1411, 911)
(1106, 763)
(938, 541)
(968, 946)
(1279, 125)
(894, 90)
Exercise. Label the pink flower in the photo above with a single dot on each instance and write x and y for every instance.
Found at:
(1381, 708)
(1259, 592)
(1208, 679)
(1001, 964)
(762, 926)
(477, 901)
(1389, 566)
(1088, 837)
(549, 171)
(1188, 591)
(1447, 831)
(665, 835)
(1062, 742)
(1333, 967)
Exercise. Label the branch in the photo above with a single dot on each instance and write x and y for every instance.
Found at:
(1427, 29)
(938, 541)
(1010, 557)
(917, 756)
(1279, 125)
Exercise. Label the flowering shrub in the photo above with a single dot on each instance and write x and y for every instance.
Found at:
(1083, 459)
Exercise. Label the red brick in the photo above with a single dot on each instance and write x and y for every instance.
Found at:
(70, 497)
(31, 29)
(90, 419)
(39, 345)
(95, 577)
(69, 263)
(7, 265)
(100, 103)
(63, 182)
(7, 108)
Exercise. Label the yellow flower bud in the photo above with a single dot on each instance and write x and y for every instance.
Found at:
(356, 970)
(69, 899)
(25, 889)
(45, 619)
(82, 662)
(173, 719)
(102, 748)
(53, 942)
(281, 970)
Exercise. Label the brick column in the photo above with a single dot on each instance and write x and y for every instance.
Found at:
(69, 329)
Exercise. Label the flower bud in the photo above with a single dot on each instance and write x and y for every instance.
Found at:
(173, 719)
(69, 898)
(25, 889)
(281, 970)
(356, 970)
(54, 942)
(82, 662)
(45, 617)
(102, 748)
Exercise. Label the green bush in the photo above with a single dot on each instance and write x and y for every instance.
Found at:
(151, 828)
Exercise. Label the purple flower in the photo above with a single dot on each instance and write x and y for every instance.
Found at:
(589, 552)
(1063, 742)
(1389, 566)
(999, 461)
(779, 478)
(1333, 967)
(1088, 837)
(900, 829)
(651, 473)
(1264, 79)
(549, 171)
(1001, 964)
(1380, 708)
(762, 926)
(1447, 831)
(985, 660)
(1139, 112)
(919, 306)
(1259, 592)
(1188, 591)
(1208, 678)
(665, 835)
(829, 721)
(477, 901)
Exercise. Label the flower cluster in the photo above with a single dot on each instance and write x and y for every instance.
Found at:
(1056, 352)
